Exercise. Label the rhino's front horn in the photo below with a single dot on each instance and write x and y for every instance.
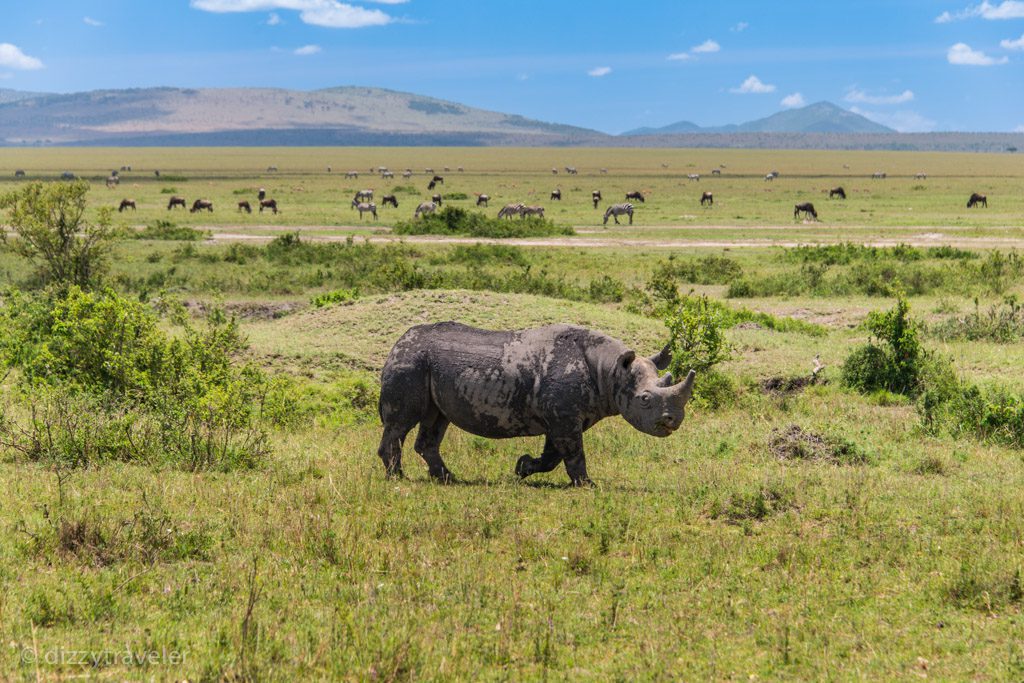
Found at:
(685, 388)
(665, 380)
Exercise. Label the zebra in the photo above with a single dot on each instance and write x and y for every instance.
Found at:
(769, 177)
(113, 181)
(351, 174)
(425, 207)
(708, 198)
(364, 207)
(556, 195)
(921, 176)
(571, 170)
(878, 175)
(616, 210)
(386, 175)
(595, 195)
(510, 210)
(532, 211)
(362, 195)
(716, 171)
(407, 173)
(482, 199)
(604, 171)
(693, 176)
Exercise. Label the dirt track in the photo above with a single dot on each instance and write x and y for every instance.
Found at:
(927, 237)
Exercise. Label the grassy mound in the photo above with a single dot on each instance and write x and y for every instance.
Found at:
(453, 220)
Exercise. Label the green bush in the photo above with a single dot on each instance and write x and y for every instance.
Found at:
(337, 296)
(454, 220)
(1000, 324)
(892, 359)
(697, 340)
(166, 230)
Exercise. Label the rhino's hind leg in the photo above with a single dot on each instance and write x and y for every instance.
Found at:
(547, 461)
(428, 445)
(390, 449)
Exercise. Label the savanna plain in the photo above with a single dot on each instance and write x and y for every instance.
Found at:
(844, 500)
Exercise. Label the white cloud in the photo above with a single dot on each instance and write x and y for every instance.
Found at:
(861, 97)
(753, 85)
(326, 13)
(902, 121)
(1008, 9)
(793, 101)
(273, 19)
(1019, 129)
(962, 54)
(92, 22)
(740, 27)
(307, 50)
(13, 58)
(707, 46)
(679, 56)
(599, 71)
(1012, 44)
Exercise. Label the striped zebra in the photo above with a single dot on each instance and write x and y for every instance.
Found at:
(694, 176)
(532, 211)
(361, 195)
(510, 210)
(616, 210)
(424, 208)
(921, 176)
(878, 175)
(365, 207)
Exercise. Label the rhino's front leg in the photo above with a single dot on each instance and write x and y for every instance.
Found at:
(547, 461)
(575, 462)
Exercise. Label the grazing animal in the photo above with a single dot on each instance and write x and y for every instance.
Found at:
(244, 205)
(431, 185)
(367, 207)
(595, 196)
(387, 175)
(571, 170)
(460, 169)
(635, 196)
(438, 179)
(604, 170)
(510, 210)
(708, 198)
(19, 173)
(364, 196)
(200, 204)
(329, 169)
(67, 175)
(446, 169)
(351, 174)
(389, 199)
(694, 176)
(271, 169)
(557, 380)
(425, 207)
(532, 211)
(407, 174)
(556, 195)
(769, 177)
(126, 204)
(977, 199)
(176, 201)
(436, 198)
(261, 194)
(616, 210)
(113, 181)
(878, 175)
(554, 171)
(156, 173)
(807, 209)
(920, 176)
(715, 171)
(482, 199)
(268, 204)
(428, 170)
(837, 192)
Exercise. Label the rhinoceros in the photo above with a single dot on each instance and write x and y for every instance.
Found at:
(557, 380)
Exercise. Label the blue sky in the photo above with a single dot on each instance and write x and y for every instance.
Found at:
(916, 65)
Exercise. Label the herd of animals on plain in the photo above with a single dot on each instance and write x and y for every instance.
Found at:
(364, 203)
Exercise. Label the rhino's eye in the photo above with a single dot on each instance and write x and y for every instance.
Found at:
(645, 399)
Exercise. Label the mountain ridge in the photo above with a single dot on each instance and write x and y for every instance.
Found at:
(819, 117)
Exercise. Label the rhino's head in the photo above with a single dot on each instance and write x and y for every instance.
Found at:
(653, 405)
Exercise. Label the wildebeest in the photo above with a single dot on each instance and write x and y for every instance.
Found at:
(425, 207)
(596, 197)
(363, 196)
(126, 204)
(351, 174)
(482, 199)
(156, 173)
(557, 380)
(715, 171)
(807, 209)
(460, 169)
(532, 211)
(19, 173)
(616, 210)
(635, 196)
(261, 194)
(67, 175)
(431, 185)
(244, 205)
(446, 169)
(976, 200)
(364, 207)
(271, 169)
(176, 201)
(554, 171)
(200, 204)
(510, 210)
(438, 179)
(389, 199)
(837, 192)
(436, 198)
(604, 170)
(707, 198)
(268, 204)
(556, 195)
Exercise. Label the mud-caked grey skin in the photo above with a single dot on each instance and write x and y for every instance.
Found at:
(558, 380)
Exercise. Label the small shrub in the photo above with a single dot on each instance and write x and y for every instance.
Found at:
(453, 220)
(338, 296)
(697, 340)
(166, 230)
(893, 364)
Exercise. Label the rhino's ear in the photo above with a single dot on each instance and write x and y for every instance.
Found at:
(663, 357)
(625, 359)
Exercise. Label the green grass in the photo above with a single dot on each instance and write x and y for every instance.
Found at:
(700, 556)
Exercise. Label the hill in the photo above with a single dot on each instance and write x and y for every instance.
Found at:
(820, 117)
(267, 116)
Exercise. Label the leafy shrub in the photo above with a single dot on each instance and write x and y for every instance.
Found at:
(337, 296)
(456, 195)
(893, 364)
(710, 270)
(1000, 324)
(697, 340)
(166, 230)
(454, 220)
